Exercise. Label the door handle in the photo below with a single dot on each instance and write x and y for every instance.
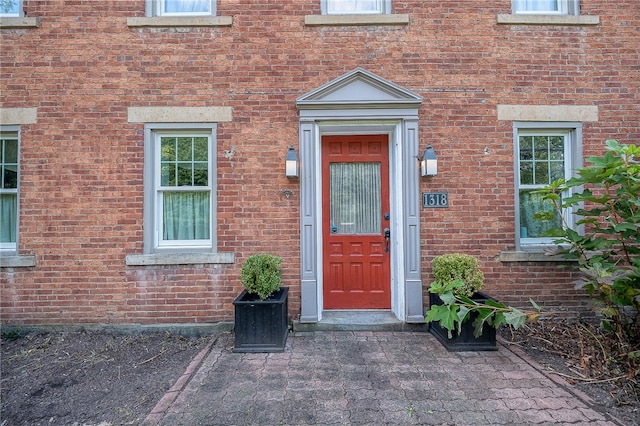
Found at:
(387, 238)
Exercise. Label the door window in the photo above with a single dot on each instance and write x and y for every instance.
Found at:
(355, 198)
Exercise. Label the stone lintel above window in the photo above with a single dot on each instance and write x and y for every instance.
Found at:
(9, 116)
(212, 114)
(579, 113)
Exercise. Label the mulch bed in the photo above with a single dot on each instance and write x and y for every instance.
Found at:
(595, 362)
(89, 377)
(104, 379)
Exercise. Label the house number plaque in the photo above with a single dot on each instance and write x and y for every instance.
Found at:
(435, 199)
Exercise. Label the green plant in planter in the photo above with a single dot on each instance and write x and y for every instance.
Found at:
(458, 267)
(261, 274)
(457, 278)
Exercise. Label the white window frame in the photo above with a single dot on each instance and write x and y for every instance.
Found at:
(11, 132)
(383, 7)
(572, 161)
(154, 242)
(565, 7)
(18, 14)
(156, 8)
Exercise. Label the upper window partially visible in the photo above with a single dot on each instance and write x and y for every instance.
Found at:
(546, 7)
(183, 7)
(10, 8)
(351, 7)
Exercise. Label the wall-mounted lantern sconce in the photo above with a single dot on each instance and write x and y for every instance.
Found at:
(429, 162)
(291, 164)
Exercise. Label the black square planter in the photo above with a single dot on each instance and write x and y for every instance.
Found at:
(261, 325)
(465, 341)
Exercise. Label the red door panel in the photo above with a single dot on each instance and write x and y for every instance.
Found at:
(355, 200)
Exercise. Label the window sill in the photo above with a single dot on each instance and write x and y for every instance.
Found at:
(179, 259)
(17, 261)
(578, 20)
(21, 22)
(172, 21)
(529, 256)
(329, 20)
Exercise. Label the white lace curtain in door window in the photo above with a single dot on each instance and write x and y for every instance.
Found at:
(355, 203)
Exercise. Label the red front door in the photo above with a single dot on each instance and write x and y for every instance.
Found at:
(355, 211)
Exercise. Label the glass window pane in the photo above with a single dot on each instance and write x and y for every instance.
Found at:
(526, 173)
(178, 166)
(185, 174)
(541, 148)
(355, 205)
(8, 163)
(557, 171)
(187, 6)
(10, 176)
(526, 147)
(354, 6)
(8, 217)
(530, 204)
(10, 151)
(168, 149)
(541, 173)
(185, 149)
(186, 216)
(201, 149)
(556, 147)
(9, 7)
(200, 174)
(538, 5)
(168, 175)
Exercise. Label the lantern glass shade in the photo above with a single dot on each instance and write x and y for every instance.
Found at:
(429, 162)
(291, 164)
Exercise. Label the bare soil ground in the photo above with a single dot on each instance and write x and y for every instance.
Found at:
(94, 378)
(596, 363)
(97, 378)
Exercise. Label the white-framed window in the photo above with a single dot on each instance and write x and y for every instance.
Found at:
(9, 188)
(10, 8)
(181, 196)
(544, 153)
(352, 7)
(546, 7)
(181, 7)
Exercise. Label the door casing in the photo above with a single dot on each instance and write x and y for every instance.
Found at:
(406, 283)
(359, 102)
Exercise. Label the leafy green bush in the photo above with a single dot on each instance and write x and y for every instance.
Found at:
(457, 266)
(456, 278)
(606, 198)
(261, 274)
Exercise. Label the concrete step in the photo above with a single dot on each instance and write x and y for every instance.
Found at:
(360, 320)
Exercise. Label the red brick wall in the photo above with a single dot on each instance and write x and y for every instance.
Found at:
(82, 162)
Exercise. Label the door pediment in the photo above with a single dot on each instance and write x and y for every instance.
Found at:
(359, 89)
